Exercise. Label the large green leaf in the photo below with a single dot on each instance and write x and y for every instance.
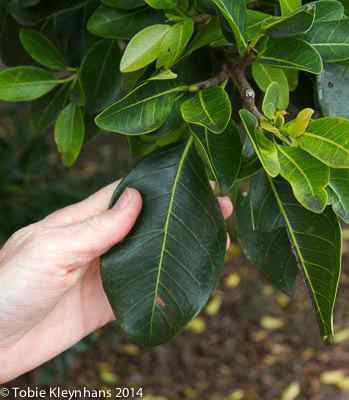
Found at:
(307, 176)
(210, 108)
(294, 54)
(234, 11)
(339, 184)
(328, 140)
(265, 149)
(263, 237)
(122, 24)
(174, 43)
(41, 49)
(162, 275)
(70, 133)
(144, 48)
(223, 153)
(331, 40)
(333, 89)
(100, 76)
(329, 10)
(143, 110)
(265, 74)
(25, 83)
(316, 241)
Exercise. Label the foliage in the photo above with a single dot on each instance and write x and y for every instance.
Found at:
(202, 89)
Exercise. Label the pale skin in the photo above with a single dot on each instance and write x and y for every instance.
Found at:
(51, 290)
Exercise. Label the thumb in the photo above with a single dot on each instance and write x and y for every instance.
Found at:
(97, 234)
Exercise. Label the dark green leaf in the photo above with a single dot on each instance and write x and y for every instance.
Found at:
(329, 10)
(100, 76)
(234, 11)
(25, 83)
(316, 242)
(124, 4)
(339, 183)
(70, 133)
(328, 140)
(162, 4)
(266, 246)
(294, 54)
(210, 108)
(45, 110)
(307, 176)
(208, 33)
(41, 49)
(142, 111)
(122, 24)
(162, 275)
(264, 148)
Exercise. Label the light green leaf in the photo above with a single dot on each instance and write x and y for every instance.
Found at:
(144, 48)
(41, 49)
(294, 54)
(234, 11)
(299, 125)
(292, 76)
(307, 176)
(169, 265)
(70, 133)
(339, 184)
(289, 6)
(100, 76)
(25, 83)
(327, 139)
(316, 241)
(162, 4)
(174, 43)
(113, 23)
(142, 111)
(223, 153)
(210, 108)
(265, 74)
(163, 75)
(271, 100)
(264, 148)
(331, 40)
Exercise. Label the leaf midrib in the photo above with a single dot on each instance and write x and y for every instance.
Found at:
(166, 228)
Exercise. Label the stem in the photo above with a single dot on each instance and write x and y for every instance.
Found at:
(69, 79)
(223, 75)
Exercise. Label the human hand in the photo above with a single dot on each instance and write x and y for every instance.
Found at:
(51, 288)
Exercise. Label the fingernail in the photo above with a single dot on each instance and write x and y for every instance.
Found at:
(125, 199)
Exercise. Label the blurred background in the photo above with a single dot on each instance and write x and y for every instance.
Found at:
(251, 341)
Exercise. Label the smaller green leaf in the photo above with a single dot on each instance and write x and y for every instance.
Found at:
(264, 148)
(210, 108)
(162, 4)
(327, 139)
(339, 184)
(307, 176)
(298, 126)
(41, 49)
(70, 133)
(265, 74)
(292, 53)
(271, 100)
(25, 83)
(174, 43)
(163, 75)
(144, 48)
(207, 34)
(235, 14)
